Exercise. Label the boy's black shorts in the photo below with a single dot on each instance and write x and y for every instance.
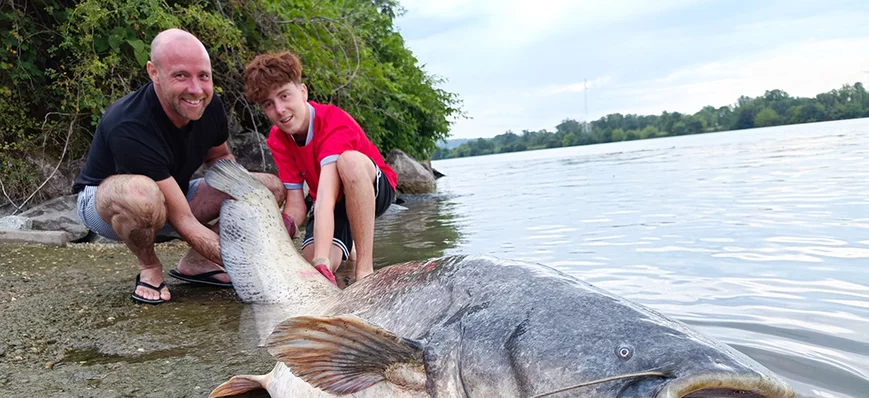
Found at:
(384, 195)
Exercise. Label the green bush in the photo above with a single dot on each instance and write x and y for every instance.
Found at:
(62, 63)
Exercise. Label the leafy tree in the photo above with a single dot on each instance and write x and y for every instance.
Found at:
(766, 117)
(569, 126)
(745, 117)
(813, 112)
(63, 62)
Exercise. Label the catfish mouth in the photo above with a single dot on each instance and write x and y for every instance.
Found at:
(726, 385)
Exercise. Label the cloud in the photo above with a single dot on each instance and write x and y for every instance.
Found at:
(521, 65)
(802, 69)
(508, 26)
(488, 52)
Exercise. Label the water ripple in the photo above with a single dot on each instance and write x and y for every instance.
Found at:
(808, 240)
(756, 237)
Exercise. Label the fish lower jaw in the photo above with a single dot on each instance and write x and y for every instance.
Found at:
(726, 386)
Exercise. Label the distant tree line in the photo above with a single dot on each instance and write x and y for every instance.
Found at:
(774, 108)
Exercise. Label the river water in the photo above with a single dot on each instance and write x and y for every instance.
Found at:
(759, 238)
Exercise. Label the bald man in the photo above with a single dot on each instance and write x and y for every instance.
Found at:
(136, 184)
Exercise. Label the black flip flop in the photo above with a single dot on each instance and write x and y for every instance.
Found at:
(149, 286)
(205, 278)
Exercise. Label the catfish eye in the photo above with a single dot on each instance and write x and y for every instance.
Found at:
(625, 352)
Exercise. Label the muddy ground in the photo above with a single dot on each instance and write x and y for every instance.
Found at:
(70, 329)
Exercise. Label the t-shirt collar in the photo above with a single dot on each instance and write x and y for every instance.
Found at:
(311, 115)
(310, 137)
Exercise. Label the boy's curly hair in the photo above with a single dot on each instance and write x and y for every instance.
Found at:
(268, 71)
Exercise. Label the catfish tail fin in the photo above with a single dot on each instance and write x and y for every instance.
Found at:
(233, 179)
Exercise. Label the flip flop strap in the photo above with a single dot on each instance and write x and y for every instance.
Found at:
(150, 286)
(206, 274)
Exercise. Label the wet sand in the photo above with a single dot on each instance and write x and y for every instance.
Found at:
(70, 329)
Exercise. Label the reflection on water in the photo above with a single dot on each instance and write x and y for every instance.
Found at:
(758, 238)
(421, 227)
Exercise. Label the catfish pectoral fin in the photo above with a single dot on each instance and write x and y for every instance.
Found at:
(239, 384)
(346, 354)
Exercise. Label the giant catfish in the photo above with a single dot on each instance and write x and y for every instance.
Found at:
(462, 326)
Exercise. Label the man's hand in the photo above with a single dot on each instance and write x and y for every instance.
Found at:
(289, 224)
(202, 239)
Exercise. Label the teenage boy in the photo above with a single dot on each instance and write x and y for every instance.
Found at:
(323, 146)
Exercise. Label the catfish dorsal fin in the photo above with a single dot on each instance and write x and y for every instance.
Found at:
(345, 354)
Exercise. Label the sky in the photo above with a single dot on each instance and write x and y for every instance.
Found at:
(523, 64)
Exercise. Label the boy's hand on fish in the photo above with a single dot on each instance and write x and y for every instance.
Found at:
(322, 264)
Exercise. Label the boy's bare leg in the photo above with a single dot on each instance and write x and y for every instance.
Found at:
(357, 174)
(135, 208)
(352, 256)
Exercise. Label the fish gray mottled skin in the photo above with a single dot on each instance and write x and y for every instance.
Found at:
(463, 326)
(262, 259)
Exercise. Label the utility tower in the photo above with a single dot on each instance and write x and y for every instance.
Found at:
(585, 90)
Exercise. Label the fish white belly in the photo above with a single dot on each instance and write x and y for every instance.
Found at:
(283, 384)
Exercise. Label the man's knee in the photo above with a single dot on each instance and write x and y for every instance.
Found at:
(136, 196)
(274, 184)
(354, 166)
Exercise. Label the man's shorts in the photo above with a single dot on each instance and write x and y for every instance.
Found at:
(87, 212)
(384, 194)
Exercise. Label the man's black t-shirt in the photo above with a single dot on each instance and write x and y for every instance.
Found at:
(135, 136)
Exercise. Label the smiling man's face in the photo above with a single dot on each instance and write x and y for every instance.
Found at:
(181, 72)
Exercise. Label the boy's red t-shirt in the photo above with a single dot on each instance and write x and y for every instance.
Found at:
(332, 132)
